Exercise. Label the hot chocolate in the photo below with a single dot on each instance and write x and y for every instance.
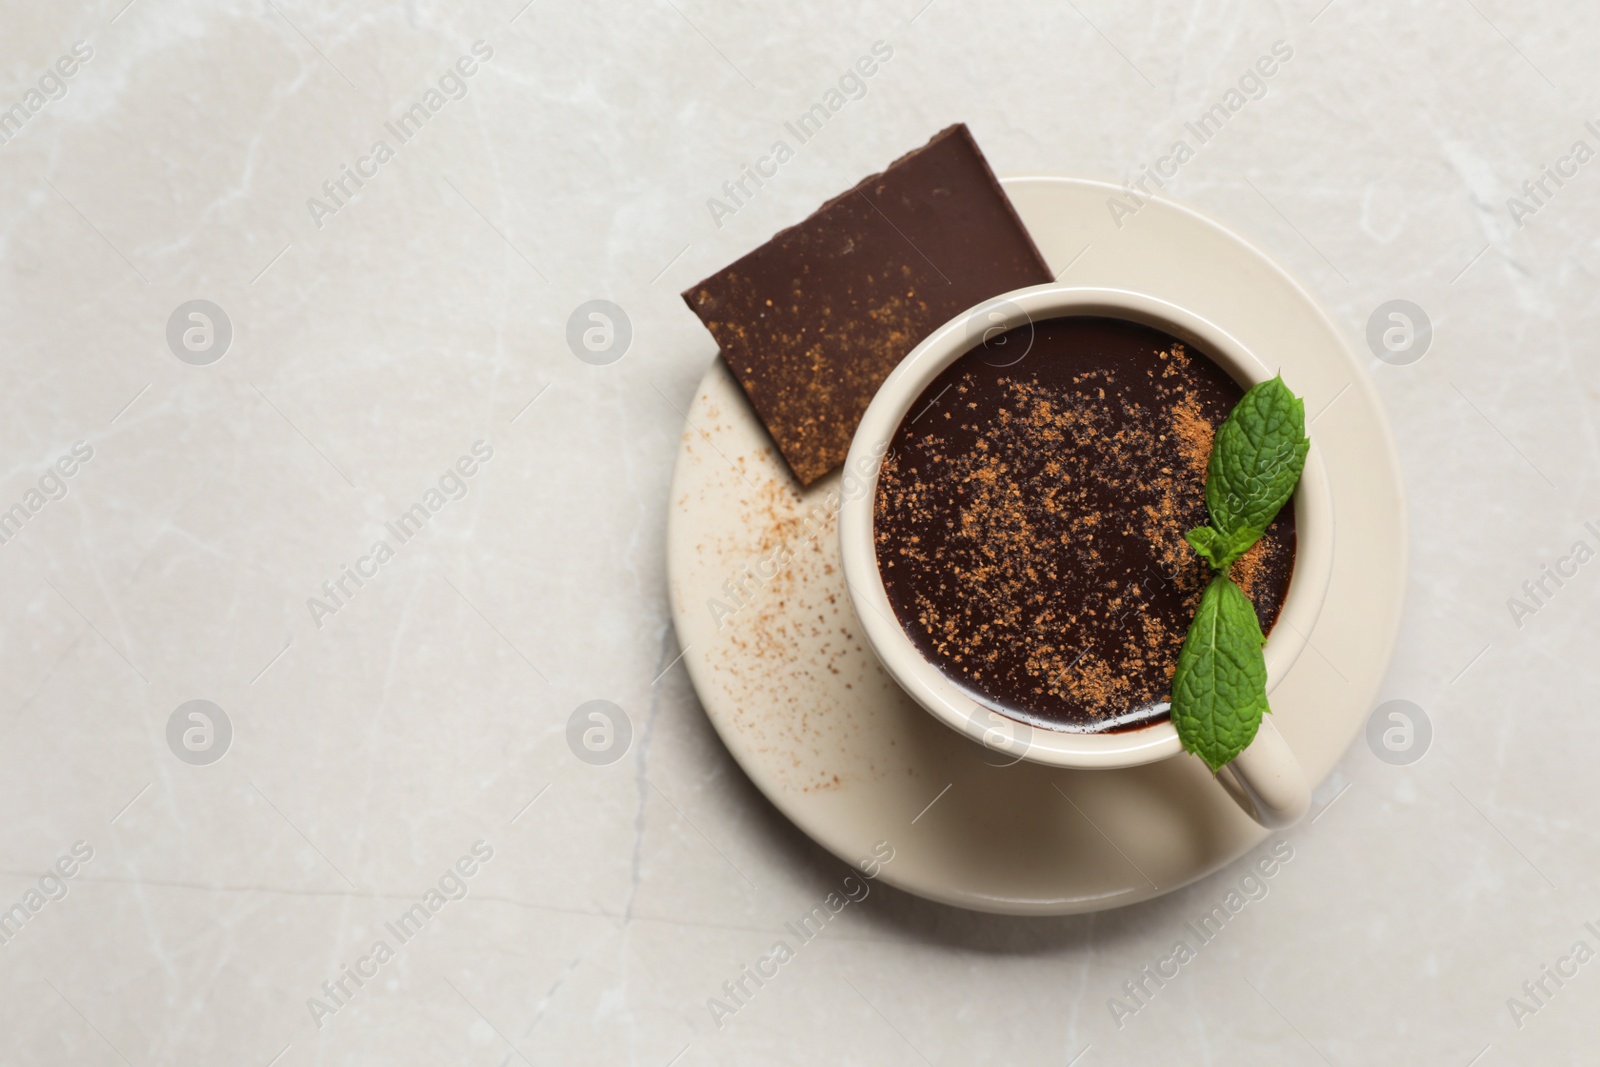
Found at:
(1029, 520)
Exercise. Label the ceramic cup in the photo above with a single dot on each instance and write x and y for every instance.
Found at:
(1265, 779)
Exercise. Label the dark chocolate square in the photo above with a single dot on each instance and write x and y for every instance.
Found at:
(814, 320)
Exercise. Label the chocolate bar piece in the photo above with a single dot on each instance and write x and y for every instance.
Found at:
(814, 320)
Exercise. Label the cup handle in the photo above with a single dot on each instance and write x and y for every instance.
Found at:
(1266, 780)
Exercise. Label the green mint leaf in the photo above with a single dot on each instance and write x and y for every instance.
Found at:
(1207, 542)
(1256, 460)
(1219, 689)
(1218, 549)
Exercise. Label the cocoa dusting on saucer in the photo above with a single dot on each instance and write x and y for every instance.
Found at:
(792, 669)
(1029, 521)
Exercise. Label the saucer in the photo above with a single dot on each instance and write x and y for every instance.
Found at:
(776, 655)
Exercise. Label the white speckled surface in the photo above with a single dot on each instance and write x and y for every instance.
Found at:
(368, 354)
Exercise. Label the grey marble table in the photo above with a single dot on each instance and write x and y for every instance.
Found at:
(391, 211)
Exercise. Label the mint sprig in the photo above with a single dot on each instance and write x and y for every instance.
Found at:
(1219, 689)
(1256, 460)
